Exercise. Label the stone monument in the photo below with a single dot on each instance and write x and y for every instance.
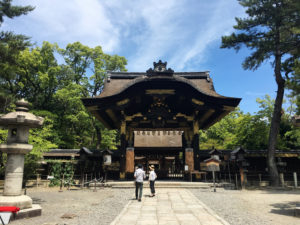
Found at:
(18, 124)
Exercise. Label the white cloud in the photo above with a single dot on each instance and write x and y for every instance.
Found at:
(179, 32)
(68, 21)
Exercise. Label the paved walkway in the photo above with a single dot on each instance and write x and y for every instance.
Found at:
(170, 207)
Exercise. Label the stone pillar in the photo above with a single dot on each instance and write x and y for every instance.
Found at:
(129, 160)
(189, 159)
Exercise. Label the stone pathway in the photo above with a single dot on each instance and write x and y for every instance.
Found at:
(169, 207)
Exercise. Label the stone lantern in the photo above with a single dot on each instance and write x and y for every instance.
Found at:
(238, 155)
(214, 153)
(18, 124)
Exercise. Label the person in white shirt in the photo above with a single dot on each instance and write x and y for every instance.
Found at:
(139, 176)
(152, 178)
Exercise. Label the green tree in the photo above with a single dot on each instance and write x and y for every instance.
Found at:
(89, 68)
(269, 31)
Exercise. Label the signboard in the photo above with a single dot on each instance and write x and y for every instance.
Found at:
(212, 167)
(186, 168)
(158, 138)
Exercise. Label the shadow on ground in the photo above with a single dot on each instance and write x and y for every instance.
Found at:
(286, 209)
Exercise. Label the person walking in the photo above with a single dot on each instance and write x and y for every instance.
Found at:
(139, 176)
(152, 178)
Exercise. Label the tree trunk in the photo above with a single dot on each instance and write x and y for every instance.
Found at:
(275, 123)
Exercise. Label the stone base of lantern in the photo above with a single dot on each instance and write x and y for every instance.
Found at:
(35, 210)
(24, 202)
(21, 201)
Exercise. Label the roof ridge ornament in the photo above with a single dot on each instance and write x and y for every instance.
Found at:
(160, 68)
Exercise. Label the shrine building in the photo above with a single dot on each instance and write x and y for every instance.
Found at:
(159, 114)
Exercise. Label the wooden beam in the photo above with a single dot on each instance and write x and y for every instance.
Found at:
(97, 115)
(123, 102)
(197, 102)
(206, 116)
(160, 91)
(113, 116)
(215, 120)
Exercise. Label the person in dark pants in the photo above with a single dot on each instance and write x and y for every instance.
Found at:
(139, 176)
(152, 178)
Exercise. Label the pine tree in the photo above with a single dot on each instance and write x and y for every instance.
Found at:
(271, 31)
(10, 46)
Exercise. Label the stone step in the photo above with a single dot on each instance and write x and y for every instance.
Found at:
(162, 184)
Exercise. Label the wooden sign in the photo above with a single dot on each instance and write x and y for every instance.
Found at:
(212, 164)
(212, 167)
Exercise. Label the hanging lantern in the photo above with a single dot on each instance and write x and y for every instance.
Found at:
(106, 159)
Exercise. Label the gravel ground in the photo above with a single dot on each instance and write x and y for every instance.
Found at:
(252, 207)
(89, 208)
(248, 207)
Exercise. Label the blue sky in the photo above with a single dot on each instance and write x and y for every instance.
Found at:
(185, 33)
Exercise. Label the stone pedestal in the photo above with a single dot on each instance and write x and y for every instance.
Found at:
(14, 167)
(129, 160)
(13, 175)
(21, 201)
(189, 159)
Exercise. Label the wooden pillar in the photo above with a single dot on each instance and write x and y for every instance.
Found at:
(196, 145)
(123, 149)
(189, 159)
(242, 177)
(183, 150)
(189, 151)
(196, 151)
(129, 160)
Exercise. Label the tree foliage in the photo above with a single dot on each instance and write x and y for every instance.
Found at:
(250, 131)
(55, 91)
